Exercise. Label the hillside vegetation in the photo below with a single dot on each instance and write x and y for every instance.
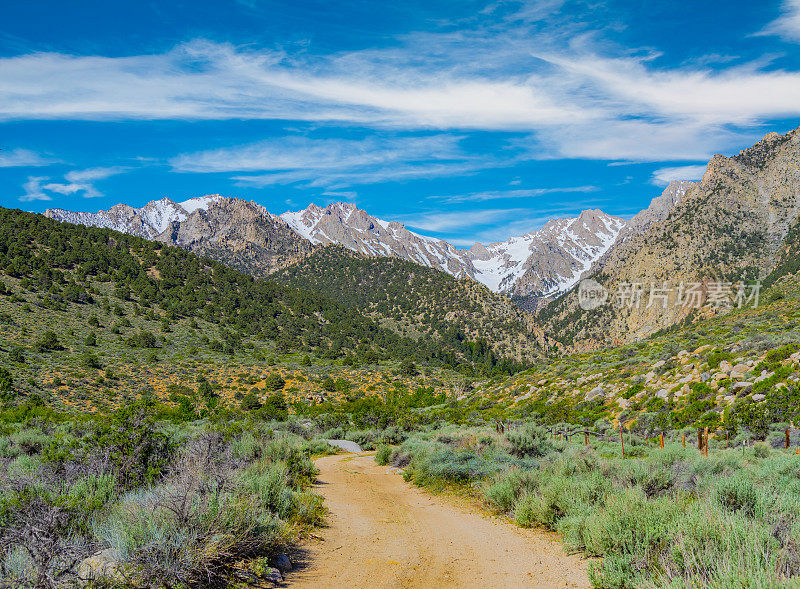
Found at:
(738, 223)
(415, 300)
(82, 308)
(136, 376)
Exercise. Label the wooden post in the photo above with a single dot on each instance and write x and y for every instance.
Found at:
(621, 440)
(661, 440)
(700, 440)
(787, 438)
(705, 442)
(684, 440)
(586, 438)
(727, 439)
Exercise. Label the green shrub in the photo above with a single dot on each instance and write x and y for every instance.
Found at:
(48, 342)
(274, 382)
(531, 442)
(717, 356)
(527, 510)
(318, 447)
(761, 450)
(270, 485)
(165, 541)
(383, 454)
(737, 493)
(310, 509)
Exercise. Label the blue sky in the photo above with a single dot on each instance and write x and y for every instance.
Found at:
(465, 120)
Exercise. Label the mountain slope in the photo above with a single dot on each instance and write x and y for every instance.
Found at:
(729, 226)
(347, 225)
(549, 261)
(61, 264)
(541, 263)
(415, 300)
(236, 232)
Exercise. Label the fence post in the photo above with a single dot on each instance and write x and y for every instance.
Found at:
(705, 442)
(727, 439)
(621, 440)
(684, 441)
(787, 438)
(586, 438)
(700, 439)
(661, 440)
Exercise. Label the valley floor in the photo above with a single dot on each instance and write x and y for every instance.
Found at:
(385, 533)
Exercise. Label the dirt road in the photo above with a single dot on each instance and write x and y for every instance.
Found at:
(384, 532)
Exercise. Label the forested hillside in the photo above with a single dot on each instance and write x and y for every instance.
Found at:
(87, 293)
(418, 301)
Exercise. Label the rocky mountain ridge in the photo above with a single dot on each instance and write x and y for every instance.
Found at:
(237, 232)
(541, 263)
(730, 226)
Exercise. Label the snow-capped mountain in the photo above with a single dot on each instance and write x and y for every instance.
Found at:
(240, 233)
(149, 221)
(541, 263)
(548, 261)
(347, 225)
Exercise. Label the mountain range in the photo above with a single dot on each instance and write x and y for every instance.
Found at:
(739, 222)
(541, 263)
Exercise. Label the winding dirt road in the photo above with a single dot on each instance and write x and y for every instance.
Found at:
(386, 533)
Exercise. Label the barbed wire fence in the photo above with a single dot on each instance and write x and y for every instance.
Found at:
(703, 435)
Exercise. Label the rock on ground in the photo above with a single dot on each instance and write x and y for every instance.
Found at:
(346, 445)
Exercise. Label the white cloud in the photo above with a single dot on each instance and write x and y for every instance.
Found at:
(575, 94)
(438, 221)
(503, 194)
(296, 153)
(637, 140)
(206, 80)
(23, 158)
(346, 195)
(76, 181)
(664, 176)
(786, 26)
(344, 178)
(334, 164)
(33, 189)
(738, 94)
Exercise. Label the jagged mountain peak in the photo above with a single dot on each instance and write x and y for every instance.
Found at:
(731, 226)
(548, 261)
(347, 225)
(540, 262)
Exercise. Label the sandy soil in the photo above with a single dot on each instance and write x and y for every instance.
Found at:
(384, 532)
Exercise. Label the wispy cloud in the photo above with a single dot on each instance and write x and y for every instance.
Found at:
(664, 176)
(295, 153)
(75, 182)
(334, 164)
(492, 225)
(438, 221)
(345, 178)
(23, 158)
(787, 25)
(504, 194)
(33, 189)
(578, 97)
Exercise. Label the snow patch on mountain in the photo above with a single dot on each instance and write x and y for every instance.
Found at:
(545, 262)
(548, 261)
(148, 221)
